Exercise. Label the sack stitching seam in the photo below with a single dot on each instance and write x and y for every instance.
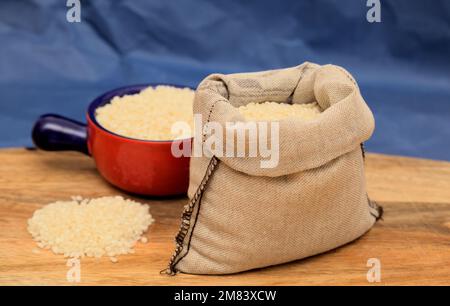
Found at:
(372, 204)
(186, 217)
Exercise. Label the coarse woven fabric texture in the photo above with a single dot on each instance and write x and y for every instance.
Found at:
(241, 216)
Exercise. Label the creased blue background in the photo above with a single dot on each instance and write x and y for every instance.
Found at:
(402, 64)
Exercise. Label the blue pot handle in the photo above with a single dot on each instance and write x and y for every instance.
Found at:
(57, 133)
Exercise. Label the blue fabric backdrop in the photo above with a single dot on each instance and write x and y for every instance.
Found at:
(402, 63)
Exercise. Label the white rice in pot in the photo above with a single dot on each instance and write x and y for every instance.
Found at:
(150, 114)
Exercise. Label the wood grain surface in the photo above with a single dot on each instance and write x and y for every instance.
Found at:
(412, 242)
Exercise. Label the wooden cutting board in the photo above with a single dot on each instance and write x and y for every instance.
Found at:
(412, 243)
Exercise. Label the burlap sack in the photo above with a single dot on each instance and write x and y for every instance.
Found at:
(241, 216)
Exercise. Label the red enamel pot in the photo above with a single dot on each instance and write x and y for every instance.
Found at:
(135, 166)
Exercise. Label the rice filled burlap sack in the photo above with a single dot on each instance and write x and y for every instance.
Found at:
(241, 216)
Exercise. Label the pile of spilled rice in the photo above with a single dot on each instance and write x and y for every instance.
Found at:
(106, 226)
